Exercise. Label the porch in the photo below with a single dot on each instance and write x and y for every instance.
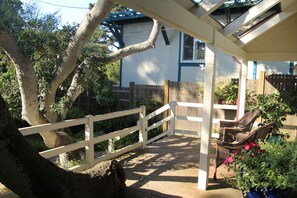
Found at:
(169, 168)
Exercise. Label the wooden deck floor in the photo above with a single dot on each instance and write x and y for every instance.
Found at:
(169, 168)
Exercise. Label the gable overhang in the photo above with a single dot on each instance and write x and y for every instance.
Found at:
(272, 40)
(178, 15)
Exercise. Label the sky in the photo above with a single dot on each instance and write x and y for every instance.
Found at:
(69, 10)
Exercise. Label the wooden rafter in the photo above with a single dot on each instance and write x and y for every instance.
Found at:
(207, 6)
(282, 16)
(247, 17)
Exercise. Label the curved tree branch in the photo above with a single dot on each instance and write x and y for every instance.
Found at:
(26, 78)
(85, 30)
(139, 47)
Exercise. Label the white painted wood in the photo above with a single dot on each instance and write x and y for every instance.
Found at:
(229, 107)
(268, 25)
(250, 15)
(89, 137)
(180, 19)
(143, 123)
(63, 149)
(115, 134)
(157, 137)
(242, 89)
(52, 126)
(189, 104)
(207, 6)
(231, 48)
(189, 118)
(155, 125)
(208, 99)
(158, 111)
(276, 56)
(116, 114)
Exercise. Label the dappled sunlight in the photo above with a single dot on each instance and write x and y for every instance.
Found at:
(169, 168)
(147, 71)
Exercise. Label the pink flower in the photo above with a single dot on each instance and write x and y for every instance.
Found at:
(252, 154)
(254, 144)
(247, 146)
(228, 160)
(236, 152)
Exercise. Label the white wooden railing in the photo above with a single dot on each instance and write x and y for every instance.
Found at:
(141, 127)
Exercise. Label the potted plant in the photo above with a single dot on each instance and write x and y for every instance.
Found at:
(264, 169)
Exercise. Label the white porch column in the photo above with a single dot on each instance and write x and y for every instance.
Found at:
(242, 86)
(208, 98)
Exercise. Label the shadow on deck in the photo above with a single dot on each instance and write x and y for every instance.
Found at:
(169, 168)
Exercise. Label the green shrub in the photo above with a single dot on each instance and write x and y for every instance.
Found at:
(274, 107)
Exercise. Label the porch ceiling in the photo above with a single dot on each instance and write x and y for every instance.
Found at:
(274, 39)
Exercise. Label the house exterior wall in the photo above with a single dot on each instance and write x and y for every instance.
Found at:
(163, 62)
(154, 65)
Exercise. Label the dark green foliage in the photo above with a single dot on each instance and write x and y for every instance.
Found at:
(106, 98)
(227, 93)
(75, 112)
(9, 87)
(128, 140)
(36, 142)
(152, 105)
(275, 107)
(115, 124)
(10, 11)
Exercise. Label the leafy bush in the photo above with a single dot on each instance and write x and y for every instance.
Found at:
(227, 93)
(267, 165)
(274, 107)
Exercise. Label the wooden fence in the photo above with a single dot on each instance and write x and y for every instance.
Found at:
(192, 92)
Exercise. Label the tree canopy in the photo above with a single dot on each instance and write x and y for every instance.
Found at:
(49, 59)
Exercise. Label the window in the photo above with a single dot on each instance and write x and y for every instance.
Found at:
(192, 49)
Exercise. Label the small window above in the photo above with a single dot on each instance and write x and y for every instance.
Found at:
(192, 49)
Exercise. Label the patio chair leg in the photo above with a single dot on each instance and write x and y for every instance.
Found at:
(216, 163)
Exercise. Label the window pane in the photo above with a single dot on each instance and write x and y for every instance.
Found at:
(199, 49)
(188, 47)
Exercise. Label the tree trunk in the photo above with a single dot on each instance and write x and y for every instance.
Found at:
(27, 78)
(28, 174)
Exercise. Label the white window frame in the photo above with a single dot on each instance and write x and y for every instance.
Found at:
(194, 52)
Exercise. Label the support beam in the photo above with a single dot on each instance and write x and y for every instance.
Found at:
(208, 99)
(272, 56)
(242, 88)
(250, 15)
(285, 14)
(170, 13)
(207, 6)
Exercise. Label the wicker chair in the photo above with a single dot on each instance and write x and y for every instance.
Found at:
(229, 129)
(223, 148)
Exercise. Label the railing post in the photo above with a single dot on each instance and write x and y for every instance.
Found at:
(143, 130)
(89, 136)
(111, 145)
(172, 114)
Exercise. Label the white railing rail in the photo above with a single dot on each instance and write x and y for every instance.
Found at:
(141, 127)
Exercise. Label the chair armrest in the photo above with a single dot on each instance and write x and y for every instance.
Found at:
(226, 144)
(227, 123)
